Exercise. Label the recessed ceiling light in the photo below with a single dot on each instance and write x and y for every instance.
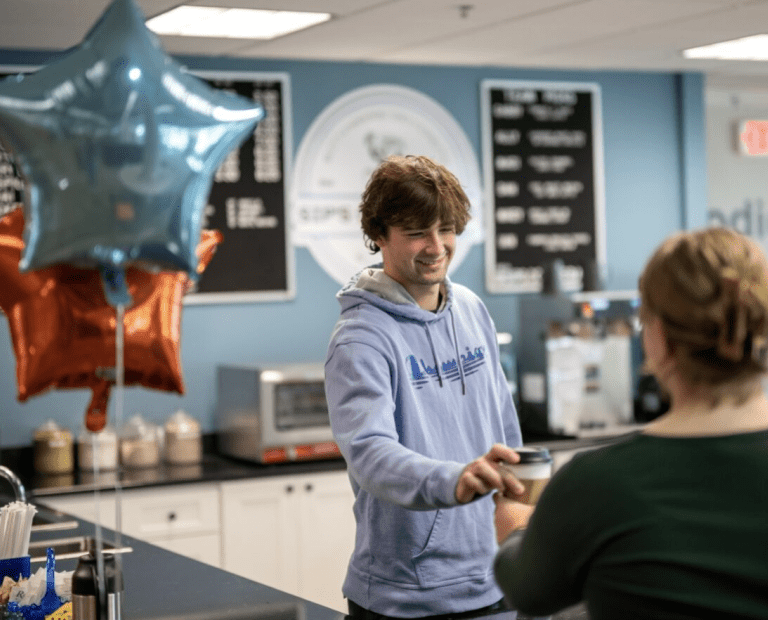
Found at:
(206, 21)
(747, 48)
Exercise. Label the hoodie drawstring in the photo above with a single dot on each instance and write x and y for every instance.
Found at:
(458, 357)
(434, 355)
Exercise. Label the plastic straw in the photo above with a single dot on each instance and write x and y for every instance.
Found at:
(15, 529)
(4, 535)
(30, 515)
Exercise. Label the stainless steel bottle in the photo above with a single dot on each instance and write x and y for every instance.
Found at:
(85, 590)
(113, 580)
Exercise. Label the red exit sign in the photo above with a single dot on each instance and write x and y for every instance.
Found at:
(753, 137)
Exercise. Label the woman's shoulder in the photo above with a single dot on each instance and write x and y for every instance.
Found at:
(597, 487)
(603, 466)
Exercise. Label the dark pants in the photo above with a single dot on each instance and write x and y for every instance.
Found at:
(359, 613)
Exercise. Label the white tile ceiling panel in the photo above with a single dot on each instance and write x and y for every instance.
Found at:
(603, 34)
(46, 25)
(584, 21)
(660, 47)
(198, 46)
(56, 24)
(383, 30)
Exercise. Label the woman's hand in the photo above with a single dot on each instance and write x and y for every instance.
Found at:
(509, 515)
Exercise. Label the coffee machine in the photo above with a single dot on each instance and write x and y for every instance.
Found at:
(580, 365)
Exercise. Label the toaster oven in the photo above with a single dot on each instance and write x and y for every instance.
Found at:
(274, 413)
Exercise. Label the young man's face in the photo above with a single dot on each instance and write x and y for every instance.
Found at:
(418, 258)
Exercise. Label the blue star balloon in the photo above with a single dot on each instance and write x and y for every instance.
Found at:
(118, 145)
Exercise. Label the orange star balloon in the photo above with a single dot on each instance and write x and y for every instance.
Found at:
(64, 330)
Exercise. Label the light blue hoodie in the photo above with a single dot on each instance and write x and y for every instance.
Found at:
(413, 397)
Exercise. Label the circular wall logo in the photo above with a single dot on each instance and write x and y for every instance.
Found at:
(341, 149)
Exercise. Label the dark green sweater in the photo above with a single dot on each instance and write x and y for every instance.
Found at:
(654, 528)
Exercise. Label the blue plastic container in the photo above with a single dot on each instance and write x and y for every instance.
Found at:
(15, 568)
(51, 601)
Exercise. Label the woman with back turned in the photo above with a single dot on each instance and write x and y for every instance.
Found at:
(672, 523)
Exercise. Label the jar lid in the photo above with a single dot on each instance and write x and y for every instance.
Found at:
(105, 435)
(181, 423)
(51, 429)
(533, 454)
(138, 427)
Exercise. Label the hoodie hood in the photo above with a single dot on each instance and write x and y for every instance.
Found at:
(373, 286)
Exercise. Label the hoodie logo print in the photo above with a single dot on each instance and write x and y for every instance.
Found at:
(422, 373)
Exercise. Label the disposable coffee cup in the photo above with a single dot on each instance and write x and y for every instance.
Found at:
(534, 471)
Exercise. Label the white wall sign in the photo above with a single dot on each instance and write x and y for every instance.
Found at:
(738, 193)
(341, 149)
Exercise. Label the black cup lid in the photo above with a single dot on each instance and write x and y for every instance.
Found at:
(533, 454)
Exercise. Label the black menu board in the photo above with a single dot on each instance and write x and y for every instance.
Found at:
(11, 183)
(543, 166)
(247, 202)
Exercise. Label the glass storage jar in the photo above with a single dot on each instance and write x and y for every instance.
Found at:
(97, 451)
(53, 450)
(183, 439)
(140, 443)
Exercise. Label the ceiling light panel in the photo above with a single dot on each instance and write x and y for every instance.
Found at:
(221, 22)
(746, 48)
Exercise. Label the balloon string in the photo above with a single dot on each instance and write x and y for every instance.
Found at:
(119, 396)
(100, 576)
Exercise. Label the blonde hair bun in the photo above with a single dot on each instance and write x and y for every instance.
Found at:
(710, 289)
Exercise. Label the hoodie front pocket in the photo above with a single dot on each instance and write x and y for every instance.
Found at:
(459, 546)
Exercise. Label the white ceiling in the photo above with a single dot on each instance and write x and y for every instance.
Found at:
(571, 34)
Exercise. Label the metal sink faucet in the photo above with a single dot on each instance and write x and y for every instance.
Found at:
(18, 487)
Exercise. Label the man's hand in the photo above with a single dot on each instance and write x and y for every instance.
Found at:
(486, 474)
(509, 516)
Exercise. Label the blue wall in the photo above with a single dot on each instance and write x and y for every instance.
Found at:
(654, 134)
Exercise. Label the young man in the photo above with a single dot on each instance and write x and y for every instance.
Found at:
(419, 407)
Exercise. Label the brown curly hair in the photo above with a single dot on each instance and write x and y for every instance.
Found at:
(710, 290)
(414, 192)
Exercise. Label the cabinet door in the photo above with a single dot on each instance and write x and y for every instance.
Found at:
(167, 512)
(259, 530)
(326, 537)
(184, 519)
(203, 548)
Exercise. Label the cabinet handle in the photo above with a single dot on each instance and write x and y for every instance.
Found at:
(289, 488)
(171, 516)
(308, 488)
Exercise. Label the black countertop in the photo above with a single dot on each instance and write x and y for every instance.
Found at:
(213, 468)
(218, 468)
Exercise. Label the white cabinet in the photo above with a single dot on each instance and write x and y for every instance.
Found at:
(295, 533)
(95, 507)
(184, 518)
